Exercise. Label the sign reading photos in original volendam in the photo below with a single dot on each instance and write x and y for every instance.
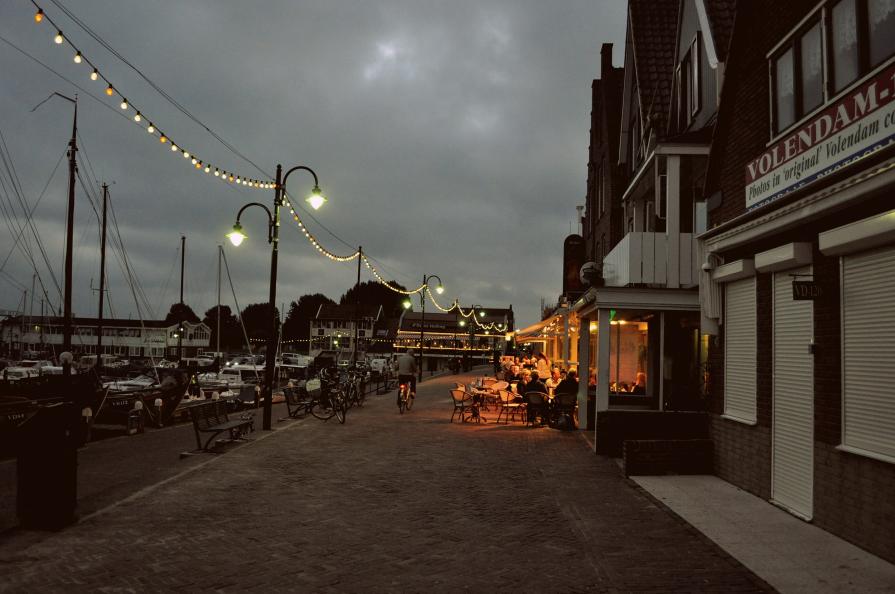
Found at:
(859, 124)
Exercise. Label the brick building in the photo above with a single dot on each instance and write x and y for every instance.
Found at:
(799, 281)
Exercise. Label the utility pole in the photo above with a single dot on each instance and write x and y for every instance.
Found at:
(360, 256)
(217, 352)
(102, 282)
(69, 241)
(180, 316)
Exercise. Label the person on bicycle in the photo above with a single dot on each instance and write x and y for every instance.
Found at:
(406, 365)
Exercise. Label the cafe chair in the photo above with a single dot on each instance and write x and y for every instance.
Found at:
(509, 406)
(535, 407)
(565, 404)
(464, 406)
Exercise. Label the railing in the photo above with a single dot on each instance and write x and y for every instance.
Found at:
(652, 259)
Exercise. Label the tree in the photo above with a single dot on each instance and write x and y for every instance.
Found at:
(231, 332)
(373, 294)
(181, 313)
(257, 319)
(301, 312)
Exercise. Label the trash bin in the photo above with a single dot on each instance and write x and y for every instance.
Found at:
(47, 468)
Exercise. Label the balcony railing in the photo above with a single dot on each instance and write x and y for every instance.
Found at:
(652, 259)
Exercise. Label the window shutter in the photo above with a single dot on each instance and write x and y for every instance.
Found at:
(868, 351)
(740, 350)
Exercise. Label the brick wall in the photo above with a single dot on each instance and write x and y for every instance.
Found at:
(742, 455)
(854, 497)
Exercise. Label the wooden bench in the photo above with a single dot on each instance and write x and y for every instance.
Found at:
(211, 417)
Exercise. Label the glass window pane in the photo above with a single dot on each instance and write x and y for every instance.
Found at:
(845, 44)
(812, 75)
(881, 25)
(785, 91)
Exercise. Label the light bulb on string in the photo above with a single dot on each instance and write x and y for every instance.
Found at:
(173, 148)
(123, 103)
(77, 58)
(162, 138)
(59, 38)
(151, 128)
(137, 117)
(198, 164)
(110, 90)
(194, 160)
(186, 154)
(94, 75)
(39, 15)
(207, 169)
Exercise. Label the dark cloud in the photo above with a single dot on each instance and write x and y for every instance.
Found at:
(450, 137)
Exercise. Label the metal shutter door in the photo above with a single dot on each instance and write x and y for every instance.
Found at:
(792, 484)
(868, 351)
(739, 350)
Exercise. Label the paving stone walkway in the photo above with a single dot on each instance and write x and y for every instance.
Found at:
(386, 503)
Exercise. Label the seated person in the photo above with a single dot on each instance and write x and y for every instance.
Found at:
(639, 386)
(554, 378)
(569, 385)
(524, 379)
(535, 385)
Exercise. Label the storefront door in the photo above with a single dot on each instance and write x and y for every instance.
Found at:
(792, 485)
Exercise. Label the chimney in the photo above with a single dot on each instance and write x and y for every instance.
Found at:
(605, 60)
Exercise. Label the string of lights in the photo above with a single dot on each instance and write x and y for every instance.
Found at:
(310, 237)
(146, 123)
(139, 117)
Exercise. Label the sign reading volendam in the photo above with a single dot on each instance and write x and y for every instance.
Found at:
(859, 124)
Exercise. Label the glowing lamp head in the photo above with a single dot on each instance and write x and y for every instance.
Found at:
(439, 289)
(59, 38)
(137, 117)
(236, 236)
(316, 199)
(123, 104)
(462, 323)
(39, 15)
(481, 314)
(162, 138)
(150, 128)
(78, 58)
(94, 75)
(406, 303)
(110, 91)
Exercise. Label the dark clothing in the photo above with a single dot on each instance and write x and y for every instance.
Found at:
(535, 386)
(567, 386)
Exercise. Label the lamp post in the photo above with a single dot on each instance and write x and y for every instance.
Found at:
(316, 200)
(439, 289)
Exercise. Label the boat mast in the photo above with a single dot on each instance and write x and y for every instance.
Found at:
(69, 241)
(217, 352)
(180, 317)
(102, 282)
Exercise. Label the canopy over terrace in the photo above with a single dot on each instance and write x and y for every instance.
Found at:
(556, 337)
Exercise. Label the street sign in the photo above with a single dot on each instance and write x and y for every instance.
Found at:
(806, 290)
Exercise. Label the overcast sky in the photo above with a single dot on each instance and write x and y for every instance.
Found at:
(449, 136)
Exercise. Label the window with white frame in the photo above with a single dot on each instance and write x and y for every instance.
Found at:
(842, 41)
(688, 87)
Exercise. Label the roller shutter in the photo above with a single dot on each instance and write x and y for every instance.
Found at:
(739, 350)
(793, 398)
(868, 351)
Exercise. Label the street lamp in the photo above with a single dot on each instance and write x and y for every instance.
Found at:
(236, 237)
(439, 289)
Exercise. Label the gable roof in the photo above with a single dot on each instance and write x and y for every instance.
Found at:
(720, 15)
(652, 26)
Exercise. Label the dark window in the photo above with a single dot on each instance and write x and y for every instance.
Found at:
(812, 69)
(798, 76)
(844, 33)
(784, 87)
(881, 29)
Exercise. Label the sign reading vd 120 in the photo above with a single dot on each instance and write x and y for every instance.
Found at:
(806, 290)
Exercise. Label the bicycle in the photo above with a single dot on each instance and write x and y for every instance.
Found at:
(405, 401)
(331, 401)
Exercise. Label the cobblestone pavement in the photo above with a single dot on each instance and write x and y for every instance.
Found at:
(386, 503)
